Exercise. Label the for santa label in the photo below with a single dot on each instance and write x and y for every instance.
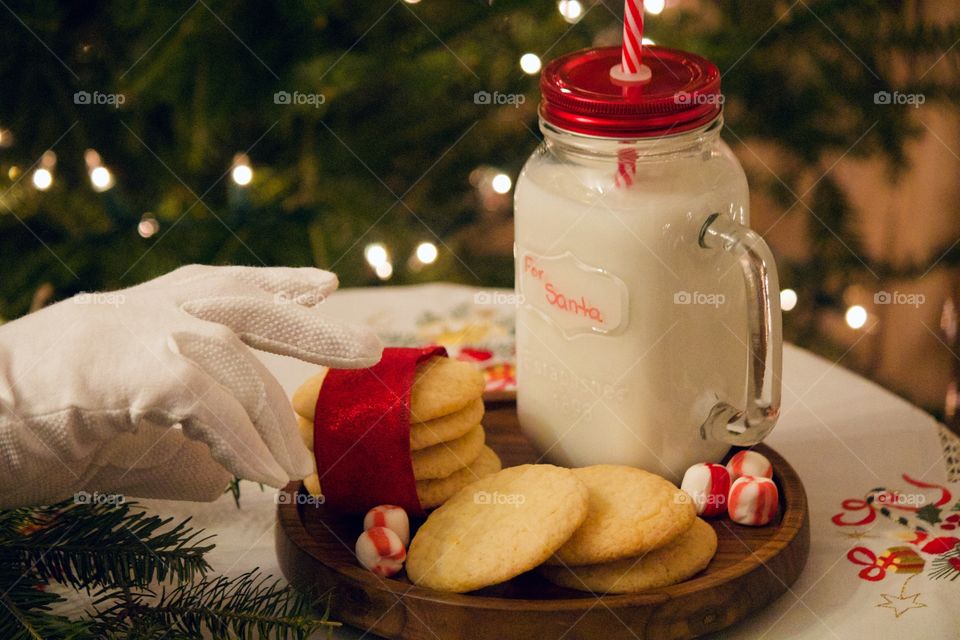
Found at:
(574, 296)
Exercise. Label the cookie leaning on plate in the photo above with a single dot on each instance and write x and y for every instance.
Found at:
(631, 512)
(686, 556)
(497, 528)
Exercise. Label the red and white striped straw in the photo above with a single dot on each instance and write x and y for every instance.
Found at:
(631, 67)
(631, 56)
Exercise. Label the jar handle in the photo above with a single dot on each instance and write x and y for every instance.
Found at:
(752, 423)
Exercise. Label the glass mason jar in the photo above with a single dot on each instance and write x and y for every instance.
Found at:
(648, 320)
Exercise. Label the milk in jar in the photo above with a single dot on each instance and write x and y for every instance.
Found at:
(648, 326)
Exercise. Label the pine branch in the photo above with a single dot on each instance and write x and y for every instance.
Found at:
(26, 610)
(234, 490)
(94, 545)
(249, 606)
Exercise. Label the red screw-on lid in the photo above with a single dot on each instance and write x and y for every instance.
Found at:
(579, 95)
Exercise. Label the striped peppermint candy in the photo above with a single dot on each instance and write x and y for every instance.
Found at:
(708, 484)
(392, 517)
(380, 550)
(749, 463)
(753, 501)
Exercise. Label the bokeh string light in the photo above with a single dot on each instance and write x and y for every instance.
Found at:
(148, 226)
(100, 177)
(788, 299)
(654, 7)
(377, 257)
(427, 252)
(856, 317)
(530, 63)
(376, 254)
(571, 10)
(242, 172)
(501, 183)
(42, 179)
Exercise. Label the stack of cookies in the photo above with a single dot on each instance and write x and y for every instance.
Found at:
(641, 532)
(605, 529)
(447, 447)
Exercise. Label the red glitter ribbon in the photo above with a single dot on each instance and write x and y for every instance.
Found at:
(362, 433)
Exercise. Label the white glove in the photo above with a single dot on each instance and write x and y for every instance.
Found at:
(151, 391)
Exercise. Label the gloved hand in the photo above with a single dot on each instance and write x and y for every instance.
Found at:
(151, 391)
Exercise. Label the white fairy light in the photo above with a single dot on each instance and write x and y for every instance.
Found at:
(427, 252)
(42, 179)
(101, 178)
(384, 270)
(91, 158)
(788, 299)
(376, 254)
(148, 226)
(242, 172)
(647, 41)
(501, 183)
(530, 63)
(571, 10)
(856, 317)
(654, 7)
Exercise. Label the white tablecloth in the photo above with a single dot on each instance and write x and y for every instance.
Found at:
(843, 434)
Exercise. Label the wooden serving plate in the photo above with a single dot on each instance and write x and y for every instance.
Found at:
(752, 567)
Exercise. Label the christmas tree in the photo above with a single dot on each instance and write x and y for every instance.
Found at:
(301, 134)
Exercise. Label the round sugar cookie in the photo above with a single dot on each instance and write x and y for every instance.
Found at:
(304, 399)
(442, 386)
(433, 493)
(496, 528)
(442, 459)
(446, 428)
(306, 431)
(686, 556)
(312, 484)
(631, 512)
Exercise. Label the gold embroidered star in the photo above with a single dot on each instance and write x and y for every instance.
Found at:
(897, 602)
(856, 535)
